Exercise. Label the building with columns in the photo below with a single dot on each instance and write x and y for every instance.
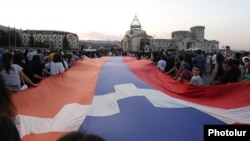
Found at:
(53, 38)
(137, 40)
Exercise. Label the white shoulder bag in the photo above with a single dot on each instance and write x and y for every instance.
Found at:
(24, 86)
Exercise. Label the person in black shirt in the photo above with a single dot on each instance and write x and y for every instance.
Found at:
(231, 73)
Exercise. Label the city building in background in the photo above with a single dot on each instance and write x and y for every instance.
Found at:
(50, 38)
(137, 40)
(12, 37)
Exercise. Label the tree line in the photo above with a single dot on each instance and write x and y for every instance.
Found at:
(11, 38)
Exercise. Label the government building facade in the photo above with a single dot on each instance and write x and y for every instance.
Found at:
(137, 40)
(53, 38)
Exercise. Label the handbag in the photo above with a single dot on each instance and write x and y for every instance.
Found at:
(23, 87)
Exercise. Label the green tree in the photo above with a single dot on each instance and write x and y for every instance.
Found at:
(11, 38)
(31, 41)
(16, 39)
(65, 43)
(3, 38)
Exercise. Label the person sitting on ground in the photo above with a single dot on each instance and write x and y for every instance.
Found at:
(196, 78)
(78, 136)
(8, 129)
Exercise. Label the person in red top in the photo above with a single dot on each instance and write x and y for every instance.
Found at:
(185, 74)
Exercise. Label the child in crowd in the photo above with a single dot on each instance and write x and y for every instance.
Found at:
(196, 78)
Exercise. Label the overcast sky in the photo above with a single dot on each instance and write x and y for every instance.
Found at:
(227, 21)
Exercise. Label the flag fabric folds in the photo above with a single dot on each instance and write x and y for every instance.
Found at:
(121, 99)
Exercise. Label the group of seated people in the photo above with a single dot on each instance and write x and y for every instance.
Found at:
(229, 67)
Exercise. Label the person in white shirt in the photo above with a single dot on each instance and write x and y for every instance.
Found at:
(161, 64)
(30, 54)
(213, 62)
(196, 78)
(56, 65)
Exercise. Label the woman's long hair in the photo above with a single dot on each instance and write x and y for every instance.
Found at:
(35, 62)
(58, 58)
(7, 58)
(220, 59)
(7, 107)
(233, 66)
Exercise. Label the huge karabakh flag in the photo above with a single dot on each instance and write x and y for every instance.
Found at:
(124, 99)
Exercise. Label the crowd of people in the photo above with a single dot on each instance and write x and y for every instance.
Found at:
(31, 66)
(223, 66)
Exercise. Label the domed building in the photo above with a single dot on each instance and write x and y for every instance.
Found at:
(136, 39)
